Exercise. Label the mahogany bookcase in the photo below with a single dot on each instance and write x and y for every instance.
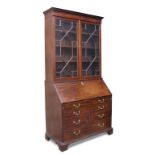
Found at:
(78, 102)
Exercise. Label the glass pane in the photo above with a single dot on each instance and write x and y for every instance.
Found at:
(90, 50)
(66, 48)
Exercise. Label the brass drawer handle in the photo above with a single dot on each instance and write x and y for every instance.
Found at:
(100, 115)
(76, 122)
(77, 132)
(101, 125)
(101, 100)
(76, 113)
(100, 107)
(76, 105)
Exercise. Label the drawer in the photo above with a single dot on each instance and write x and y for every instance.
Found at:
(85, 114)
(74, 122)
(97, 101)
(76, 109)
(103, 99)
(76, 114)
(99, 125)
(73, 134)
(76, 105)
(100, 115)
(100, 103)
(102, 107)
(95, 126)
(86, 103)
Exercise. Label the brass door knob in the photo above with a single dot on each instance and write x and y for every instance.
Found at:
(76, 132)
(76, 122)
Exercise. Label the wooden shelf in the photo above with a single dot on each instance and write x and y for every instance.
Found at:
(90, 48)
(90, 61)
(65, 62)
(61, 59)
(64, 31)
(85, 33)
(65, 46)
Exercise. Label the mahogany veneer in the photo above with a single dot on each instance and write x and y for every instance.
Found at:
(78, 102)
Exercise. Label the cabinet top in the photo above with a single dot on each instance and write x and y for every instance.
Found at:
(53, 9)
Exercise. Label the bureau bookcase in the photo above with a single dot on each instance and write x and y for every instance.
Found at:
(78, 102)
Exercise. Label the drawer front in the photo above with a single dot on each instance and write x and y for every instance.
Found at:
(76, 114)
(95, 126)
(102, 104)
(86, 117)
(103, 99)
(101, 107)
(74, 122)
(73, 134)
(75, 109)
(87, 103)
(100, 115)
(99, 125)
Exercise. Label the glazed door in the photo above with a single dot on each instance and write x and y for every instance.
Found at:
(66, 48)
(90, 50)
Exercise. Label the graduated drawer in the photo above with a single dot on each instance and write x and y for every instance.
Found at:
(73, 134)
(100, 115)
(103, 99)
(75, 114)
(97, 101)
(74, 122)
(78, 132)
(76, 109)
(99, 125)
(87, 103)
(100, 103)
(102, 106)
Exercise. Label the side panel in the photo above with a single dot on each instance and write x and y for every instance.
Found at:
(53, 113)
(49, 46)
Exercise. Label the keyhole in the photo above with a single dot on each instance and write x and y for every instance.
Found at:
(82, 83)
